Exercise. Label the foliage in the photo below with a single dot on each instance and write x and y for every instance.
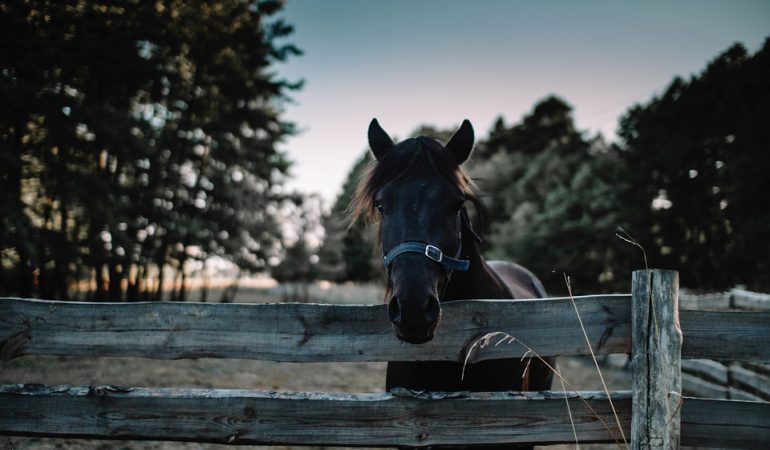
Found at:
(349, 250)
(136, 137)
(687, 180)
(695, 161)
(301, 221)
(551, 198)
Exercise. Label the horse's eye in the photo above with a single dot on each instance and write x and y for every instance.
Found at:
(378, 205)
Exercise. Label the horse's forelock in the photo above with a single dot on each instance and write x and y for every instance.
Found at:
(407, 159)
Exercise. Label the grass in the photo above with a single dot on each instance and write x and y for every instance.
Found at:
(506, 338)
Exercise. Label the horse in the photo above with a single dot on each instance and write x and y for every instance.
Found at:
(417, 191)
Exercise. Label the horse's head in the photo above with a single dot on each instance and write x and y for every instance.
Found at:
(417, 191)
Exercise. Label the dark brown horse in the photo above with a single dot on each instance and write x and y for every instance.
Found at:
(417, 191)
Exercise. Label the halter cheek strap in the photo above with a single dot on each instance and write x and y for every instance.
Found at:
(430, 251)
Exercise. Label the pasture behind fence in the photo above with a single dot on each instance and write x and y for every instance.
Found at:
(646, 324)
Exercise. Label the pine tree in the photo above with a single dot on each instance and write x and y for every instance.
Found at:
(139, 136)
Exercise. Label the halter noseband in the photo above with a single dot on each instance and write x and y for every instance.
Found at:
(430, 251)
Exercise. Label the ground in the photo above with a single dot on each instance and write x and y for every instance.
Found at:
(230, 373)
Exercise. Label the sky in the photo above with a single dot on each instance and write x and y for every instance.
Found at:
(410, 63)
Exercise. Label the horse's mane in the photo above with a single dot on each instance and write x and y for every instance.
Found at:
(408, 159)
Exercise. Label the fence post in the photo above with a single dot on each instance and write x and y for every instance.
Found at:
(656, 354)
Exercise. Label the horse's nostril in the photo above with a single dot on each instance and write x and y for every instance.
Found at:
(394, 311)
(433, 310)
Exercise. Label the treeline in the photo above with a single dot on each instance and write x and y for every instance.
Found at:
(135, 138)
(687, 179)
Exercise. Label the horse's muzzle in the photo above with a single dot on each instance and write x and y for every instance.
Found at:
(414, 340)
(414, 323)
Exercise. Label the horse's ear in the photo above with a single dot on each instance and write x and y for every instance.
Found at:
(379, 141)
(461, 143)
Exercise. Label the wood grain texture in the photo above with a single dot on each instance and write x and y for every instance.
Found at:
(725, 424)
(305, 332)
(656, 360)
(726, 335)
(254, 417)
(735, 393)
(707, 369)
(752, 381)
(698, 387)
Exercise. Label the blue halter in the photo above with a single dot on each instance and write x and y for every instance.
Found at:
(434, 253)
(430, 251)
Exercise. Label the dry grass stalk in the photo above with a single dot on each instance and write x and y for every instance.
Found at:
(596, 363)
(569, 410)
(624, 235)
(484, 341)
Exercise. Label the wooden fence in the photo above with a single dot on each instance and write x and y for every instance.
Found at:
(646, 324)
(707, 378)
(726, 379)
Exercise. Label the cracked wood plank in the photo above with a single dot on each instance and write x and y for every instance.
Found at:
(295, 332)
(402, 418)
(725, 423)
(726, 335)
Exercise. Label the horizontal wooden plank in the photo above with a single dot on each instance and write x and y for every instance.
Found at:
(736, 393)
(254, 417)
(697, 387)
(720, 300)
(726, 335)
(757, 367)
(757, 383)
(750, 300)
(707, 369)
(725, 423)
(306, 332)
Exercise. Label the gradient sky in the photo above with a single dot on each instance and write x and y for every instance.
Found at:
(438, 62)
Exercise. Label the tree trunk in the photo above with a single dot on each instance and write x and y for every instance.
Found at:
(100, 294)
(115, 291)
(228, 295)
(205, 285)
(62, 257)
(160, 261)
(25, 277)
(182, 294)
(45, 288)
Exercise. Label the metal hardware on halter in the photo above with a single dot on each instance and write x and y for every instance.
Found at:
(431, 251)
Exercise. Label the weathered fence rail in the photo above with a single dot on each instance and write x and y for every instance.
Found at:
(726, 379)
(253, 417)
(646, 324)
(304, 332)
(735, 298)
(738, 378)
(293, 332)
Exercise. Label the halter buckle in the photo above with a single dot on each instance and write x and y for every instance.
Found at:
(434, 253)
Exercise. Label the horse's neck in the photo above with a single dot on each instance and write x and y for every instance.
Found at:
(478, 282)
